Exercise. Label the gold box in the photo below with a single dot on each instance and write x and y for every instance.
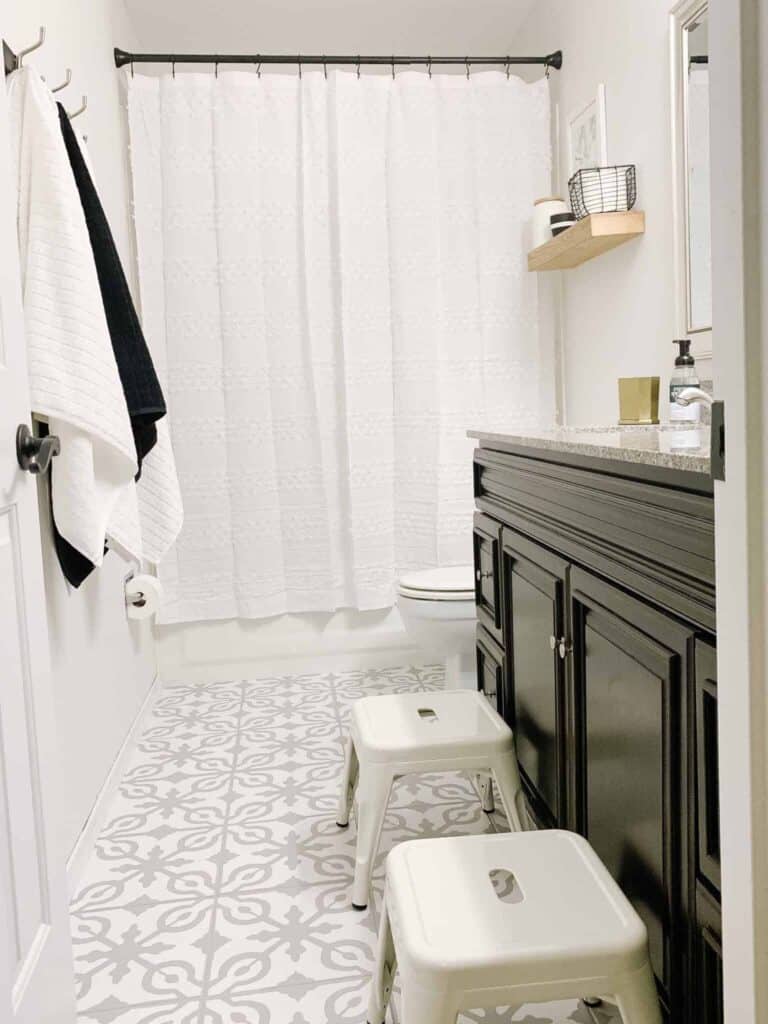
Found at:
(638, 400)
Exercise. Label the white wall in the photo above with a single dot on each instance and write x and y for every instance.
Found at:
(102, 666)
(618, 311)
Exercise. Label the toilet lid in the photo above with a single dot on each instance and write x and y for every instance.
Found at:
(451, 583)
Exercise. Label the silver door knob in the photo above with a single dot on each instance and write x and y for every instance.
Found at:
(34, 454)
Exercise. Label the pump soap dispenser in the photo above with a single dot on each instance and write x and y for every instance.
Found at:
(684, 376)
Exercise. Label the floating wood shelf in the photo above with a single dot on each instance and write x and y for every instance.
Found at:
(587, 238)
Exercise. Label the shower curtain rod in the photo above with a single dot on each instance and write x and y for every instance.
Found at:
(122, 57)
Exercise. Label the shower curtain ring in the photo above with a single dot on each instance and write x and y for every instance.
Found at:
(258, 70)
(429, 66)
(507, 68)
(325, 69)
(466, 62)
(215, 69)
(298, 61)
(131, 69)
(358, 66)
(393, 67)
(173, 68)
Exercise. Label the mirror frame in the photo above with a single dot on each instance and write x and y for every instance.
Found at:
(682, 15)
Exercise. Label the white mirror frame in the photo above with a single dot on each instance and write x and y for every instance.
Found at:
(683, 13)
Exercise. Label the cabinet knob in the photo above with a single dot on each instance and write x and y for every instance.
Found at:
(562, 646)
(480, 575)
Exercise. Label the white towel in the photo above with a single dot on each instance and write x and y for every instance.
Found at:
(74, 379)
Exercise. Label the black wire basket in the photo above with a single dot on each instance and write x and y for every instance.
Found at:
(603, 190)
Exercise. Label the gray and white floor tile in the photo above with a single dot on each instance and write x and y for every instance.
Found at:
(219, 890)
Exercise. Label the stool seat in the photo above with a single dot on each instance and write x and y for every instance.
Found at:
(477, 922)
(564, 912)
(404, 733)
(415, 726)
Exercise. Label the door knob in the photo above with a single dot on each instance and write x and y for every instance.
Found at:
(34, 454)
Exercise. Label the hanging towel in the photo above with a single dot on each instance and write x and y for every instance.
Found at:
(74, 379)
(141, 387)
(143, 395)
(148, 517)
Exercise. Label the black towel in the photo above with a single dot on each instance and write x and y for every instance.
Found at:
(141, 387)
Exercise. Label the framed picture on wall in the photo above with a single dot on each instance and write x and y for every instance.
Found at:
(587, 135)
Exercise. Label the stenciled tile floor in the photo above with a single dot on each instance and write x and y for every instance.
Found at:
(219, 890)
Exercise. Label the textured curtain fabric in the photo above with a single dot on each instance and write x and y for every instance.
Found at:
(336, 272)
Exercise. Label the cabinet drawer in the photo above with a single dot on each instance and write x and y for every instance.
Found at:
(707, 773)
(490, 669)
(487, 583)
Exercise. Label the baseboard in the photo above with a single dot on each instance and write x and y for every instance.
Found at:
(83, 848)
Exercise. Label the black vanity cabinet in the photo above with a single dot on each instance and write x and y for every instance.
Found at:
(596, 638)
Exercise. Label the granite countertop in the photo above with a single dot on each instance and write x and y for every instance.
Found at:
(679, 446)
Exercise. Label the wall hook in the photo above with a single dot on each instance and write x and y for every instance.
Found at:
(80, 110)
(65, 83)
(31, 49)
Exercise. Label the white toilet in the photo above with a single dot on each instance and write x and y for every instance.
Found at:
(437, 607)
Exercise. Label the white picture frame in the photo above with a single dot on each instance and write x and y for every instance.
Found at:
(587, 135)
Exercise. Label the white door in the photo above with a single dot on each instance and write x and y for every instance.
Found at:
(738, 34)
(36, 972)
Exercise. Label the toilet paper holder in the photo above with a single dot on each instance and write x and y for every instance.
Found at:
(134, 600)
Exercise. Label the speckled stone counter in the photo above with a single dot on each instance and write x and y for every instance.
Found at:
(681, 448)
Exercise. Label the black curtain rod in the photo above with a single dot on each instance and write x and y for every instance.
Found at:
(122, 57)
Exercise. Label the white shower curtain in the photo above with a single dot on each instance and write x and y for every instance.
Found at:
(334, 271)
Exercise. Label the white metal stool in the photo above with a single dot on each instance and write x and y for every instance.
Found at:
(484, 921)
(401, 734)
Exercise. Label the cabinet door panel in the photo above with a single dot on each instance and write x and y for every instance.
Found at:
(707, 774)
(534, 593)
(708, 957)
(630, 676)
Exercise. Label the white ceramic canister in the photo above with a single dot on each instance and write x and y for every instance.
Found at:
(541, 231)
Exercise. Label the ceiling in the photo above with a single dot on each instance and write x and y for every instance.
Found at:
(447, 27)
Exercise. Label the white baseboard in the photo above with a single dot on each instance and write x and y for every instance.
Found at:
(83, 848)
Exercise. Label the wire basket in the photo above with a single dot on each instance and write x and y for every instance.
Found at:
(603, 190)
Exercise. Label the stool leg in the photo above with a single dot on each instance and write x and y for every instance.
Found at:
(484, 786)
(420, 1006)
(372, 796)
(507, 776)
(638, 999)
(348, 783)
(383, 972)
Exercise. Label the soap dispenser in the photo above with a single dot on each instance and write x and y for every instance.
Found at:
(684, 376)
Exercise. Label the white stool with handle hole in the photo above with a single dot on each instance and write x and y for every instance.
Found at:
(477, 922)
(407, 733)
